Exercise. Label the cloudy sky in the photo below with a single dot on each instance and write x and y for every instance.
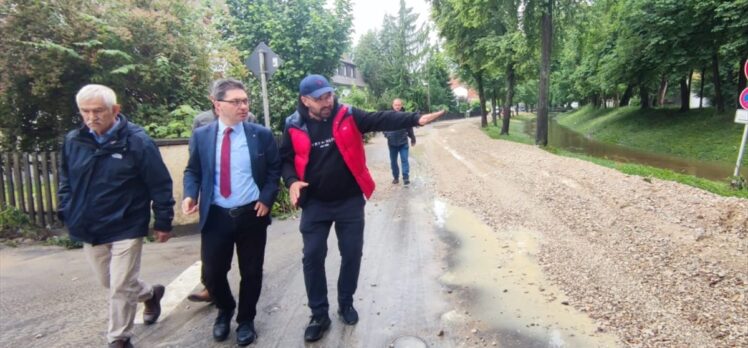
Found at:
(368, 14)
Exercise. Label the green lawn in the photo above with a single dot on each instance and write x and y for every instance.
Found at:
(516, 132)
(584, 119)
(698, 134)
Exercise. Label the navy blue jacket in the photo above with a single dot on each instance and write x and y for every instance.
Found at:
(199, 176)
(106, 190)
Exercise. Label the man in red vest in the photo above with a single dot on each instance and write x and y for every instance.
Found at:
(324, 167)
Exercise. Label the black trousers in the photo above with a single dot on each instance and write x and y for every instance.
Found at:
(219, 235)
(316, 219)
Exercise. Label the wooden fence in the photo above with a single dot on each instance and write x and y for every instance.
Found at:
(28, 182)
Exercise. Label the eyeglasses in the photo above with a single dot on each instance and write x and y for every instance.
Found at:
(236, 102)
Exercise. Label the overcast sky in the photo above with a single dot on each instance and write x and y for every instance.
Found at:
(369, 14)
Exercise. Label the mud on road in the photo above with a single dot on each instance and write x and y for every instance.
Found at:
(493, 244)
(654, 263)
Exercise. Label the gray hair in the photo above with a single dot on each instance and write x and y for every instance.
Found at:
(221, 86)
(93, 91)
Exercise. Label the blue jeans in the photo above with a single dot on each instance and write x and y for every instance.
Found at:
(402, 150)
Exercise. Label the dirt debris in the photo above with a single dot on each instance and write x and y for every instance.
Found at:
(658, 263)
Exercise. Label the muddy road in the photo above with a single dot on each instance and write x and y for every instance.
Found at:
(493, 244)
(653, 263)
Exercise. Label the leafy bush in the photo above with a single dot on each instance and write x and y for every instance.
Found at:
(64, 241)
(282, 207)
(16, 224)
(12, 219)
(178, 124)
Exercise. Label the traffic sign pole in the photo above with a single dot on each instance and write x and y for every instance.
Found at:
(257, 63)
(741, 116)
(263, 84)
(742, 151)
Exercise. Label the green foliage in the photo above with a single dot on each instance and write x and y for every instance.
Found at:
(359, 98)
(282, 207)
(144, 50)
(615, 45)
(309, 37)
(16, 224)
(516, 133)
(179, 124)
(64, 241)
(12, 219)
(398, 62)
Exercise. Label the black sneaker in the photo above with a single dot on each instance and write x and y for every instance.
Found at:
(395, 181)
(348, 315)
(317, 327)
(406, 181)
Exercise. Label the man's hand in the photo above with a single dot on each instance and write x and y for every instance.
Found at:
(412, 143)
(428, 118)
(295, 191)
(161, 236)
(261, 209)
(189, 206)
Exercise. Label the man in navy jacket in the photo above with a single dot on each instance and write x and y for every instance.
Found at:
(233, 170)
(111, 175)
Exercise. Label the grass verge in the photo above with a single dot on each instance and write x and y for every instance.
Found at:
(721, 188)
(699, 134)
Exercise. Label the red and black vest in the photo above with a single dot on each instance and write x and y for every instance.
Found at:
(349, 141)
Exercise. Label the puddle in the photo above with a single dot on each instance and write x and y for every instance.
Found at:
(506, 287)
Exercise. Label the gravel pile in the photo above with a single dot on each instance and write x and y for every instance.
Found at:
(657, 263)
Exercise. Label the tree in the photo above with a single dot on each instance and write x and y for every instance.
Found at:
(145, 51)
(546, 24)
(394, 60)
(309, 38)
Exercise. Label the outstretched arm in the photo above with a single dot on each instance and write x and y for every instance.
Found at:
(428, 118)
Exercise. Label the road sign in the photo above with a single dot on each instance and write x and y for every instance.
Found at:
(263, 53)
(744, 98)
(745, 68)
(741, 116)
(263, 62)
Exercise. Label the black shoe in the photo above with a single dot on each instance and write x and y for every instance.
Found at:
(121, 344)
(406, 181)
(395, 181)
(348, 315)
(245, 333)
(153, 305)
(317, 327)
(222, 325)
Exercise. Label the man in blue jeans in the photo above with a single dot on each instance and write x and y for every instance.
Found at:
(398, 144)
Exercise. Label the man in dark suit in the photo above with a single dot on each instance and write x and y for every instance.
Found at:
(234, 168)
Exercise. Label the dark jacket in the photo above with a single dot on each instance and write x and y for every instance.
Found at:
(326, 171)
(400, 137)
(199, 176)
(106, 190)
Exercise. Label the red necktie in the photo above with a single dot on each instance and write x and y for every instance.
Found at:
(226, 164)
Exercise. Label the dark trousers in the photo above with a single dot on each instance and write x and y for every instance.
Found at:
(219, 235)
(316, 219)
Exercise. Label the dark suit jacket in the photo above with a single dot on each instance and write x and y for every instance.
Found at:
(199, 176)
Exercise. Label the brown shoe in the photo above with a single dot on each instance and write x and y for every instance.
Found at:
(200, 296)
(153, 305)
(121, 344)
